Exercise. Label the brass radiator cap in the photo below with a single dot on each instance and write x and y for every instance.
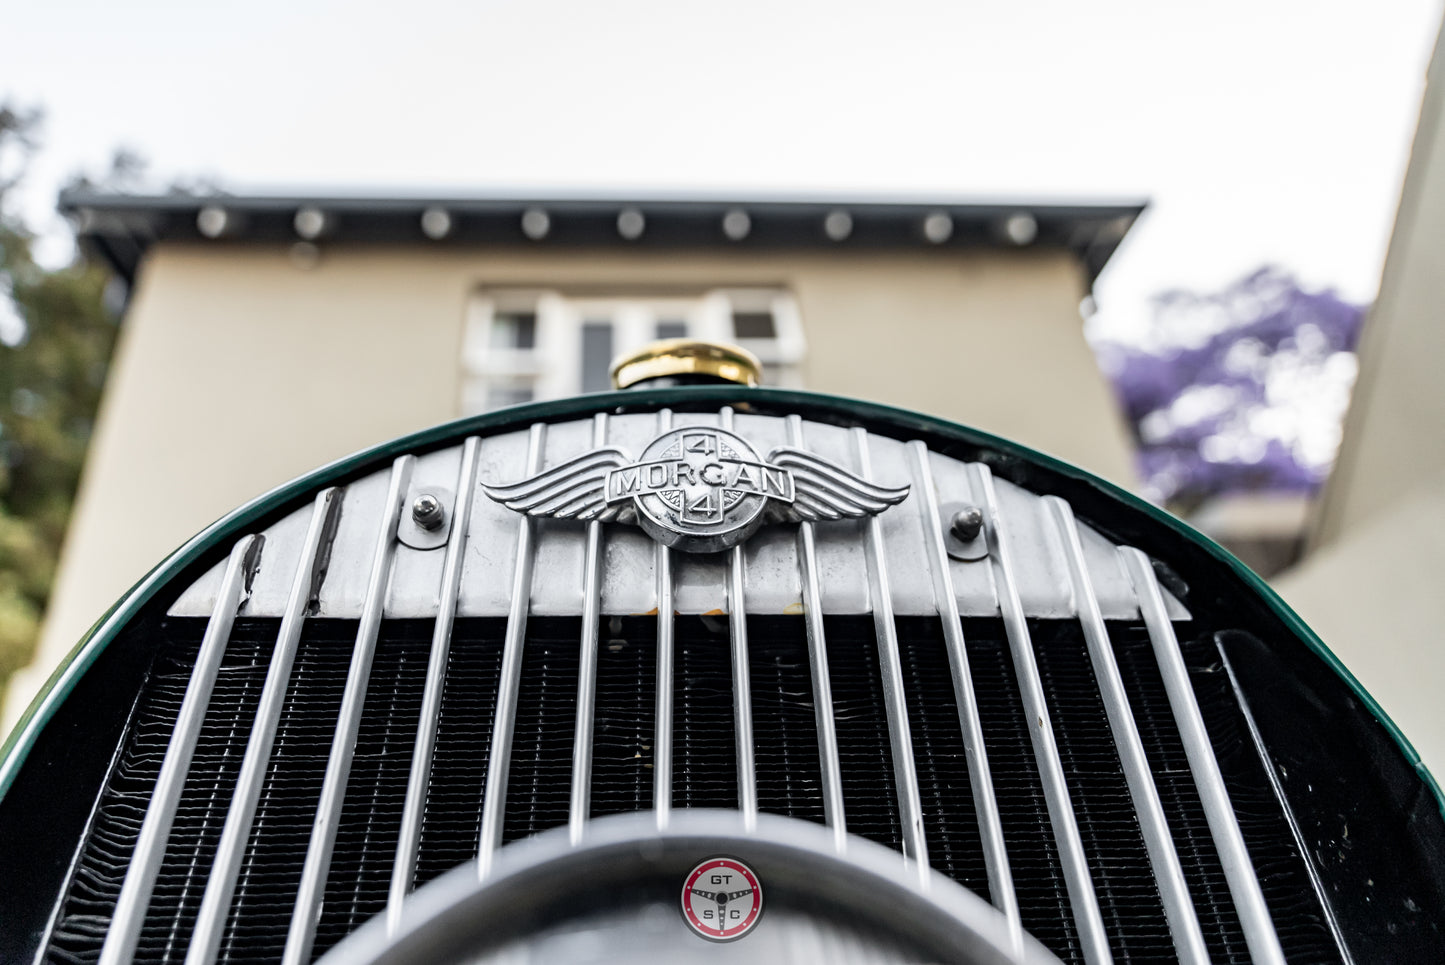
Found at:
(684, 357)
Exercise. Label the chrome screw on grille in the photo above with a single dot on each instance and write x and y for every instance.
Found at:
(427, 511)
(966, 524)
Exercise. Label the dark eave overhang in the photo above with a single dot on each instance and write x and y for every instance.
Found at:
(119, 228)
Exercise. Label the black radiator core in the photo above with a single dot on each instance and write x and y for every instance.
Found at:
(704, 769)
(625, 717)
(704, 746)
(785, 729)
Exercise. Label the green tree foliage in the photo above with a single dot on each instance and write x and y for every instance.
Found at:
(56, 336)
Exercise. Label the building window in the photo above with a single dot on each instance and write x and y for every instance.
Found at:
(525, 345)
(508, 391)
(596, 356)
(752, 325)
(672, 328)
(513, 330)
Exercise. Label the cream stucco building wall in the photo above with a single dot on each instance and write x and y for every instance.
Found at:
(1397, 416)
(1371, 585)
(238, 369)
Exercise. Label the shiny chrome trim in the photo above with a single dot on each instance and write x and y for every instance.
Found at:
(1331, 919)
(221, 885)
(1168, 875)
(910, 808)
(409, 836)
(742, 692)
(829, 766)
(1082, 900)
(1259, 931)
(771, 586)
(662, 735)
(952, 923)
(348, 722)
(581, 804)
(494, 805)
(150, 847)
(990, 828)
(742, 677)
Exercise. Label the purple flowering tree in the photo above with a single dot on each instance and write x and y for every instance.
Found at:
(1238, 390)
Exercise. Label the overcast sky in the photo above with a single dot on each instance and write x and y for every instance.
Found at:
(1260, 131)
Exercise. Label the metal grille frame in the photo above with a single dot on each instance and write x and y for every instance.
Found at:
(1094, 943)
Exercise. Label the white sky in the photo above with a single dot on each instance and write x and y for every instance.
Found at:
(1261, 131)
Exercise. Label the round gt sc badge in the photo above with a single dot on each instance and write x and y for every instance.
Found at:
(721, 899)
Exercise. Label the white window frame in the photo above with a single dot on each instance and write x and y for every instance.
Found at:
(783, 353)
(552, 367)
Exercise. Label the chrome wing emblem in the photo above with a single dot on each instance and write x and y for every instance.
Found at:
(699, 489)
(576, 489)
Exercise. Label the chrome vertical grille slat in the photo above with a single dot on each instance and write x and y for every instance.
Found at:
(742, 694)
(828, 766)
(409, 836)
(581, 802)
(1169, 876)
(1000, 876)
(494, 803)
(125, 925)
(742, 697)
(222, 882)
(910, 809)
(1259, 930)
(338, 766)
(662, 737)
(1082, 900)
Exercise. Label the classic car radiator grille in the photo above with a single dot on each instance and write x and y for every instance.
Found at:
(787, 762)
(1029, 730)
